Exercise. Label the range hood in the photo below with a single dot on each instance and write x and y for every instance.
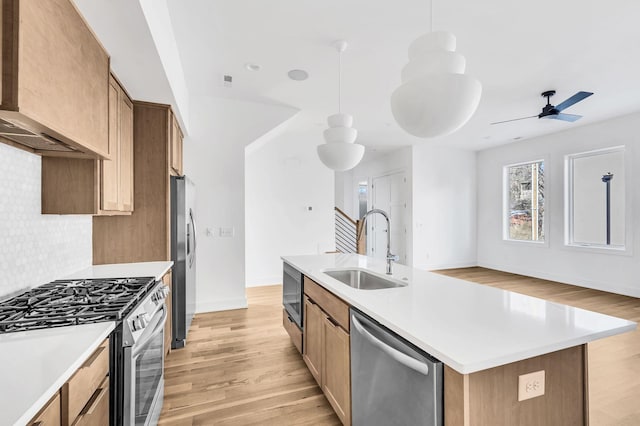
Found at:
(37, 142)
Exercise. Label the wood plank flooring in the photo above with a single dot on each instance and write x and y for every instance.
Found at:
(614, 362)
(239, 367)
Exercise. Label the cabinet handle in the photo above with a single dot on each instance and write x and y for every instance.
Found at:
(38, 423)
(96, 401)
(93, 357)
(332, 322)
(311, 302)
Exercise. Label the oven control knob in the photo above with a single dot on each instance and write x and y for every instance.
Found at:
(140, 322)
(163, 292)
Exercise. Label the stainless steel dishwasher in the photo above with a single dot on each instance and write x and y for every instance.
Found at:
(392, 382)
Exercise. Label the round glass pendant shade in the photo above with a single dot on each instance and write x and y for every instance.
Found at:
(436, 98)
(340, 156)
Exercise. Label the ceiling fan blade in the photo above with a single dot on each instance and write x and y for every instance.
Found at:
(573, 100)
(565, 117)
(515, 119)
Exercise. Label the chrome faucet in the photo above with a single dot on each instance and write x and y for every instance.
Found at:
(390, 257)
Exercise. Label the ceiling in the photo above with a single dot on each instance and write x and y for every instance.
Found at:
(516, 50)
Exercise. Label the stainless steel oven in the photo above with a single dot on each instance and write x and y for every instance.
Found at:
(292, 293)
(143, 354)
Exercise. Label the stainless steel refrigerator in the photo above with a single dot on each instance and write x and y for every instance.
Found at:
(183, 254)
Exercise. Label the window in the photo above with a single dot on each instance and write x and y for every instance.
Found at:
(524, 200)
(595, 208)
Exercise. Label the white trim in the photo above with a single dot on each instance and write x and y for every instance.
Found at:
(505, 203)
(561, 278)
(221, 305)
(569, 243)
(454, 265)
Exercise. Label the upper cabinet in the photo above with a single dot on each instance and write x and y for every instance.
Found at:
(176, 147)
(97, 187)
(55, 79)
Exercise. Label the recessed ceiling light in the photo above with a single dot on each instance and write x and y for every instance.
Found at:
(252, 67)
(298, 75)
(517, 138)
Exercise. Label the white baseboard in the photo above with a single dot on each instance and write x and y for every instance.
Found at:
(264, 281)
(596, 285)
(221, 305)
(455, 265)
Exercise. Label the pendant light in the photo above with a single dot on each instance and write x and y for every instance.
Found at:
(436, 97)
(340, 153)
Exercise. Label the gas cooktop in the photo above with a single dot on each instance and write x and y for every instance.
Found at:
(72, 302)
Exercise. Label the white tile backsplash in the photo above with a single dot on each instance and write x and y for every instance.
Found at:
(35, 248)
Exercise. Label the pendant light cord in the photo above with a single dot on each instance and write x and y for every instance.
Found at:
(431, 13)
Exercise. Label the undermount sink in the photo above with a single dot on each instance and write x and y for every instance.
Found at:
(363, 280)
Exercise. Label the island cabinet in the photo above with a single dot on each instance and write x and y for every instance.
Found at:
(50, 414)
(326, 348)
(55, 76)
(96, 187)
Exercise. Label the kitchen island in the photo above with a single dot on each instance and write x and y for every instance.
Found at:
(486, 337)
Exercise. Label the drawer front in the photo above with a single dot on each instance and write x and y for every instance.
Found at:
(293, 330)
(50, 414)
(332, 305)
(96, 412)
(84, 383)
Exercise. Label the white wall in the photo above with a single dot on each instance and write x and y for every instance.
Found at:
(214, 160)
(444, 207)
(283, 178)
(589, 268)
(34, 248)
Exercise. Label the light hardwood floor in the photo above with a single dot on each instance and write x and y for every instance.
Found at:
(239, 367)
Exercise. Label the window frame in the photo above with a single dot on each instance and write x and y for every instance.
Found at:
(506, 210)
(569, 242)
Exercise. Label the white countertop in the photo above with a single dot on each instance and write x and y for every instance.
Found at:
(35, 364)
(470, 327)
(124, 270)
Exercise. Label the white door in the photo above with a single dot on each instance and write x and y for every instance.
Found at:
(389, 193)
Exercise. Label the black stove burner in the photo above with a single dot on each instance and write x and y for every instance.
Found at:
(72, 302)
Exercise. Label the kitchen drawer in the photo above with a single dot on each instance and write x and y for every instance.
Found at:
(84, 383)
(332, 305)
(96, 412)
(50, 414)
(293, 330)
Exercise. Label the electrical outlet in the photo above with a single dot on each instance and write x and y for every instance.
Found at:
(530, 385)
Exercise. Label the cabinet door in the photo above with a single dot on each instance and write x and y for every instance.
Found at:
(126, 153)
(176, 146)
(50, 414)
(336, 379)
(109, 169)
(313, 338)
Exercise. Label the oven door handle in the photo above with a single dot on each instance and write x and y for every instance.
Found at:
(142, 344)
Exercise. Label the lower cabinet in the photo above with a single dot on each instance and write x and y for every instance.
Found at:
(326, 347)
(84, 398)
(50, 414)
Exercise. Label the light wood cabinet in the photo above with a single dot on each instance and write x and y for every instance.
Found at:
(176, 147)
(313, 338)
(55, 76)
(336, 369)
(326, 348)
(145, 234)
(292, 329)
(96, 412)
(50, 414)
(80, 393)
(97, 187)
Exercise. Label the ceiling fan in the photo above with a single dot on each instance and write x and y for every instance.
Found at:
(555, 112)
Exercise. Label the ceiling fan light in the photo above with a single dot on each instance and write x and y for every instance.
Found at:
(435, 104)
(340, 156)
